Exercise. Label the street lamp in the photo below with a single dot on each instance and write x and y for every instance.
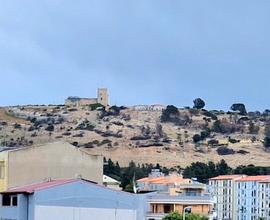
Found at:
(184, 211)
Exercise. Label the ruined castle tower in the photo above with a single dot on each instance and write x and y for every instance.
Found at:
(102, 96)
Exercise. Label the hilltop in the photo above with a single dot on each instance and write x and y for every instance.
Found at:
(144, 134)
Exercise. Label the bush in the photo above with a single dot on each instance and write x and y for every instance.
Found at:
(213, 142)
(266, 142)
(95, 106)
(252, 128)
(169, 114)
(196, 138)
(17, 126)
(210, 114)
(225, 151)
(239, 107)
(49, 128)
(233, 141)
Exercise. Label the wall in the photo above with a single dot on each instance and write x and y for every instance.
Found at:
(3, 160)
(15, 212)
(83, 201)
(54, 160)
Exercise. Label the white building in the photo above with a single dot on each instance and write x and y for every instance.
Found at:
(111, 183)
(264, 206)
(249, 197)
(223, 190)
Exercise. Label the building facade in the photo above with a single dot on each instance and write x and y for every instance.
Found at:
(102, 98)
(223, 190)
(111, 183)
(49, 161)
(70, 199)
(250, 197)
(161, 205)
(157, 181)
(264, 199)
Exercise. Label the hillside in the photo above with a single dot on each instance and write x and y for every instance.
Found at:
(144, 135)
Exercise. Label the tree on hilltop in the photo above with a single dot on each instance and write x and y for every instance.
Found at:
(198, 103)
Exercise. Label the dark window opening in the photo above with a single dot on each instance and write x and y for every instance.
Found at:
(9, 200)
(168, 209)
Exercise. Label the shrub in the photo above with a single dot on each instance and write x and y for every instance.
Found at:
(95, 106)
(252, 128)
(225, 151)
(266, 142)
(49, 128)
(196, 138)
(210, 114)
(17, 126)
(233, 141)
(213, 142)
(169, 114)
(239, 107)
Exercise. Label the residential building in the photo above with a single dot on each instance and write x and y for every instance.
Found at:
(157, 181)
(49, 161)
(249, 201)
(162, 204)
(264, 199)
(70, 199)
(111, 183)
(102, 98)
(223, 190)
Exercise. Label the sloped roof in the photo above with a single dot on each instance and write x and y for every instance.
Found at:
(254, 178)
(228, 177)
(163, 180)
(43, 185)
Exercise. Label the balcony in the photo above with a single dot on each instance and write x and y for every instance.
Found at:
(156, 216)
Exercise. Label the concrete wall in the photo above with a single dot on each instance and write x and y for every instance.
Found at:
(83, 201)
(54, 160)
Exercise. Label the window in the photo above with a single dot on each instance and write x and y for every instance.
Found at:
(9, 200)
(168, 208)
(2, 170)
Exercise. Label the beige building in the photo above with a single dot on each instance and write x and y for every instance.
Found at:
(54, 160)
(102, 98)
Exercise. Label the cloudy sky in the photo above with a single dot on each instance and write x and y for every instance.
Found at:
(145, 52)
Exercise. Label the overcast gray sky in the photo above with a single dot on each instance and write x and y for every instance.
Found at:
(144, 51)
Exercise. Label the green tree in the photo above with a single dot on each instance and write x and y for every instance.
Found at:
(239, 107)
(266, 142)
(170, 114)
(191, 216)
(198, 103)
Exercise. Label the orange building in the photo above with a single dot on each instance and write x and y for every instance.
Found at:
(160, 205)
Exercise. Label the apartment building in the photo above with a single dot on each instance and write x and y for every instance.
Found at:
(264, 199)
(223, 190)
(157, 181)
(251, 200)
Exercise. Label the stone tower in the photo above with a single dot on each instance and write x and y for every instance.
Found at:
(102, 96)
